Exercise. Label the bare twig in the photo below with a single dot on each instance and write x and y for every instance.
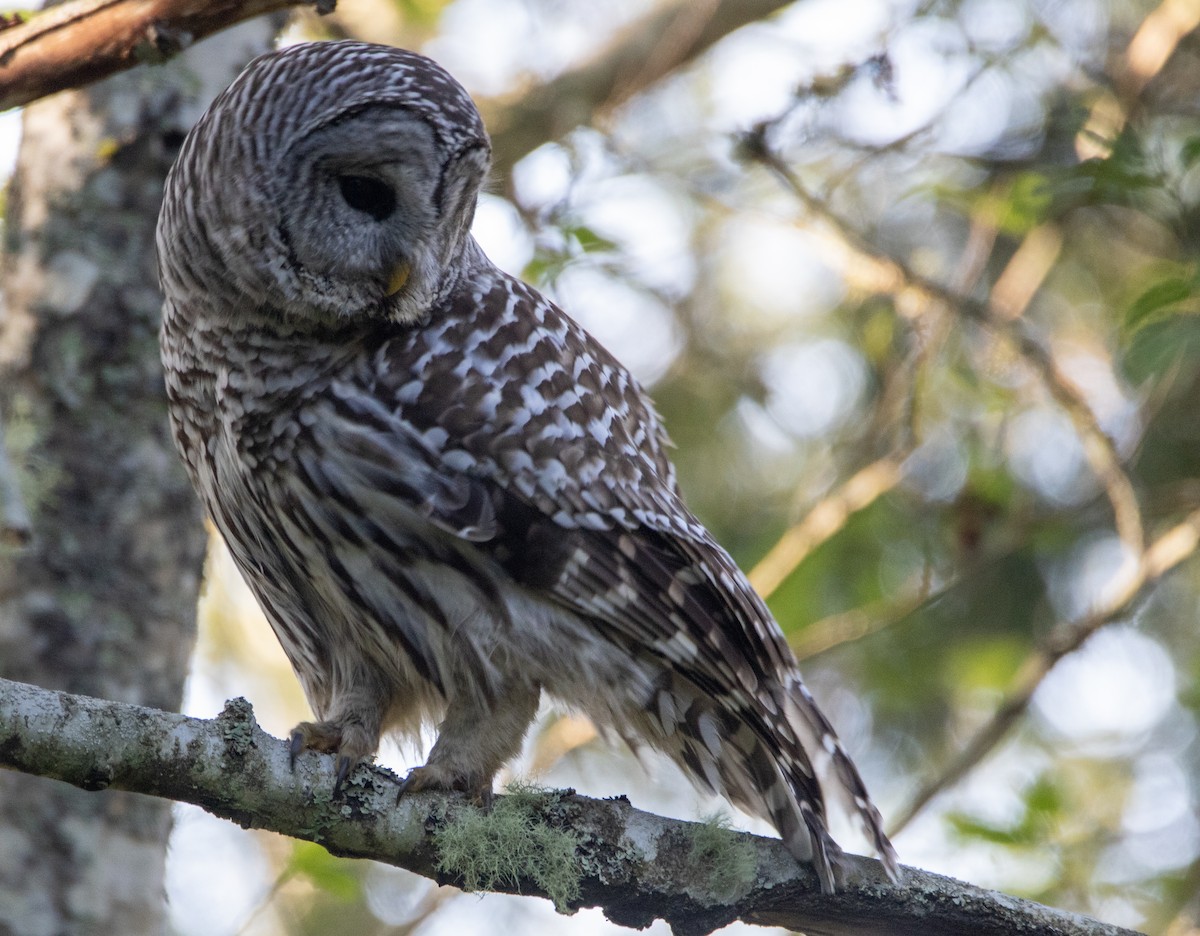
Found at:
(634, 865)
(80, 42)
(837, 629)
(826, 518)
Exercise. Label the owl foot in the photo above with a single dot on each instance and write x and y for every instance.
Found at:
(349, 742)
(440, 777)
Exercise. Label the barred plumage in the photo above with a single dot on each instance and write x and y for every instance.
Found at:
(446, 496)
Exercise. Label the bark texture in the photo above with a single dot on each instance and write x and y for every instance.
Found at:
(101, 597)
(636, 866)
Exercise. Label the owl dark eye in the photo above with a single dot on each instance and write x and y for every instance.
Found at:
(368, 195)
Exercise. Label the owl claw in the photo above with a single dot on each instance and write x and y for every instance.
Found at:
(411, 784)
(344, 765)
(433, 777)
(348, 743)
(295, 746)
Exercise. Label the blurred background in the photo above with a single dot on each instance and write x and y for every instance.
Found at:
(915, 286)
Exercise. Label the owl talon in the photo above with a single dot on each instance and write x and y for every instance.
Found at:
(344, 765)
(295, 746)
(413, 783)
(349, 742)
(434, 777)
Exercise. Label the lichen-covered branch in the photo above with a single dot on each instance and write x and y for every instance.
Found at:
(635, 866)
(76, 43)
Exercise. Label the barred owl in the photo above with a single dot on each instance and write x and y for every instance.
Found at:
(447, 497)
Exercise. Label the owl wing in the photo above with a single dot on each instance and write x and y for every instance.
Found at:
(537, 448)
(514, 394)
(640, 563)
(551, 432)
(361, 454)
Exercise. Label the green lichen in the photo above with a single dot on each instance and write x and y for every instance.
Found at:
(723, 858)
(237, 726)
(510, 843)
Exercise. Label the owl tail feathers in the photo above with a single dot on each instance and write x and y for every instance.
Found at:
(779, 768)
(776, 781)
(803, 832)
(831, 772)
(801, 825)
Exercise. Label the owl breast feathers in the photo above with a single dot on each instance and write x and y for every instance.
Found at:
(447, 497)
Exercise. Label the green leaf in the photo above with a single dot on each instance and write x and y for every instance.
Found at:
(1027, 203)
(1043, 802)
(971, 828)
(588, 240)
(1190, 152)
(1152, 303)
(1044, 798)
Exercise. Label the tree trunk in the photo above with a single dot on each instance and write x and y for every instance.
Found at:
(101, 599)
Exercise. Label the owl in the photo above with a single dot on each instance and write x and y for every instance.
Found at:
(447, 497)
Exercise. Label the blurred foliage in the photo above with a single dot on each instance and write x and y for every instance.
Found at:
(1041, 169)
(318, 867)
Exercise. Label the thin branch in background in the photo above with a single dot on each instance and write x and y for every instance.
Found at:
(838, 629)
(564, 734)
(914, 292)
(74, 44)
(1148, 52)
(1098, 449)
(1026, 271)
(281, 879)
(675, 44)
(1171, 548)
(431, 902)
(634, 61)
(825, 519)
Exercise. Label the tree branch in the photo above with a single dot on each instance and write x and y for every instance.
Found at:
(83, 41)
(77, 43)
(634, 865)
(825, 520)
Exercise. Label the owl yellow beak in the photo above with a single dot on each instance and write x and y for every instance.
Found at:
(398, 278)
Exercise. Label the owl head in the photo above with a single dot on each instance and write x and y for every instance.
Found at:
(330, 181)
